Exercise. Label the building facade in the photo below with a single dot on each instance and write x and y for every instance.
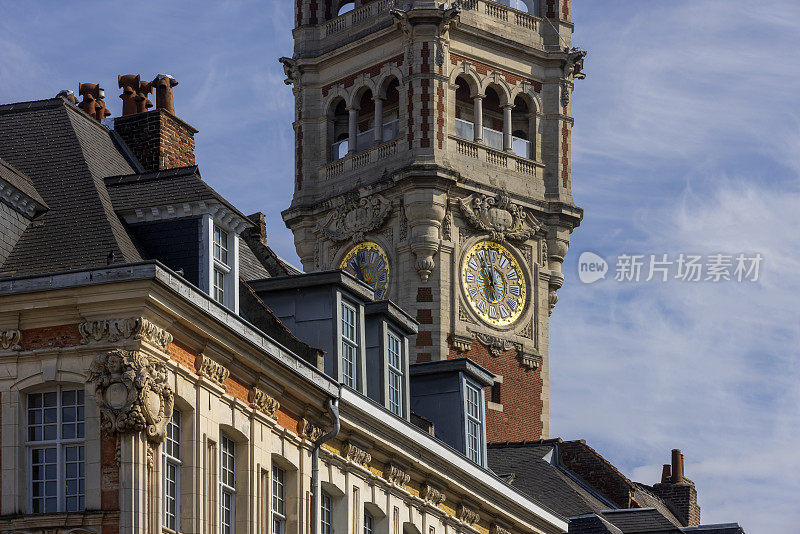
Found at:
(432, 161)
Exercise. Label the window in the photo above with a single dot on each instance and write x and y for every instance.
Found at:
(227, 484)
(56, 451)
(220, 245)
(327, 514)
(171, 461)
(369, 523)
(278, 501)
(395, 361)
(349, 346)
(219, 286)
(474, 403)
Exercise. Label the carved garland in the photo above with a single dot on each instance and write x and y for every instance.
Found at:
(263, 401)
(356, 454)
(499, 216)
(355, 218)
(432, 495)
(10, 340)
(208, 368)
(309, 430)
(395, 475)
(496, 345)
(498, 529)
(467, 514)
(132, 392)
(113, 330)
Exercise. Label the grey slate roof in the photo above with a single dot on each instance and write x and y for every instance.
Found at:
(66, 154)
(17, 179)
(636, 520)
(721, 528)
(591, 524)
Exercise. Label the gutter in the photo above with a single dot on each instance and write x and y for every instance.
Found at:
(332, 404)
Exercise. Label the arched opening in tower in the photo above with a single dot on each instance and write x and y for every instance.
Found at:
(492, 119)
(465, 109)
(522, 129)
(338, 129)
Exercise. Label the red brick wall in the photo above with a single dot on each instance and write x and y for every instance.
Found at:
(109, 472)
(520, 395)
(158, 139)
(374, 70)
(51, 336)
(485, 69)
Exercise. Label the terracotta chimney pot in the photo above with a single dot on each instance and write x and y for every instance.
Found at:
(164, 99)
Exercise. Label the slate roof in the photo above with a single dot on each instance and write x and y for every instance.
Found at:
(54, 143)
(640, 520)
(591, 524)
(20, 181)
(721, 528)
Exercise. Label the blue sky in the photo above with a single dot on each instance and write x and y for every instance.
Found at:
(686, 141)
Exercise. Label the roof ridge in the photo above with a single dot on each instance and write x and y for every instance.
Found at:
(524, 443)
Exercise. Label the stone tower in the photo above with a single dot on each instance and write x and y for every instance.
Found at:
(432, 148)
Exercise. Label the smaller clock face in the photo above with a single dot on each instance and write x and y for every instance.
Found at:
(494, 283)
(368, 262)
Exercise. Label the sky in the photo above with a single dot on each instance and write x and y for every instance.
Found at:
(685, 142)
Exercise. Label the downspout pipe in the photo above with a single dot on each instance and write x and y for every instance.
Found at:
(332, 404)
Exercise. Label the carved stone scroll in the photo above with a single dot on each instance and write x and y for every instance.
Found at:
(499, 216)
(395, 475)
(208, 368)
(10, 339)
(356, 454)
(467, 514)
(263, 401)
(309, 430)
(432, 495)
(132, 392)
(113, 330)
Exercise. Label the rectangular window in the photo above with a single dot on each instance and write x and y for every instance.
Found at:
(278, 500)
(227, 484)
(395, 362)
(369, 523)
(171, 461)
(327, 514)
(220, 245)
(474, 436)
(55, 451)
(219, 286)
(350, 336)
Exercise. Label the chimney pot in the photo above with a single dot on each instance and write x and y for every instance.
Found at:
(677, 466)
(666, 473)
(164, 99)
(92, 102)
(129, 83)
(68, 95)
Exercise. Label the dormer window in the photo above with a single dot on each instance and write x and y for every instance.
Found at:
(350, 351)
(473, 397)
(221, 267)
(219, 262)
(395, 368)
(221, 245)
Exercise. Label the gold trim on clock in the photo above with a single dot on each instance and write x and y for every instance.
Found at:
(368, 262)
(494, 283)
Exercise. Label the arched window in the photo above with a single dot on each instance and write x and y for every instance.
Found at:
(338, 128)
(390, 112)
(227, 485)
(492, 119)
(522, 138)
(465, 110)
(365, 121)
(346, 7)
(526, 6)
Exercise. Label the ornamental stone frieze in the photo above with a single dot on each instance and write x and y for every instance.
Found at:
(496, 345)
(113, 330)
(132, 392)
(261, 400)
(309, 430)
(499, 216)
(210, 369)
(10, 340)
(467, 514)
(356, 454)
(395, 475)
(432, 495)
(498, 529)
(355, 218)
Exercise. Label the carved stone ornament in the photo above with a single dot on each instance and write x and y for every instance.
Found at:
(496, 345)
(263, 401)
(356, 454)
(132, 392)
(291, 70)
(10, 339)
(432, 495)
(461, 343)
(552, 300)
(309, 430)
(500, 217)
(573, 64)
(498, 529)
(135, 328)
(355, 218)
(395, 475)
(467, 514)
(530, 360)
(210, 369)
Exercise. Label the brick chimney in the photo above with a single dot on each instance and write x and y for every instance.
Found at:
(678, 491)
(157, 138)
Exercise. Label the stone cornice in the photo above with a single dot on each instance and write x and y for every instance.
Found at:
(19, 200)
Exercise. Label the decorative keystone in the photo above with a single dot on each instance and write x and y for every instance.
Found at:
(210, 369)
(113, 330)
(132, 392)
(261, 400)
(10, 340)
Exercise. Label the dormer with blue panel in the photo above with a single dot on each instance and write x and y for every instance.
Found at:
(450, 393)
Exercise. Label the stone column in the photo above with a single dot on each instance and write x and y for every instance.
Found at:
(478, 122)
(378, 123)
(507, 127)
(352, 130)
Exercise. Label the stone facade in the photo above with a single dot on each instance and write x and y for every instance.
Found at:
(432, 71)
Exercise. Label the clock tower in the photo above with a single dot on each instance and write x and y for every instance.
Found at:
(432, 160)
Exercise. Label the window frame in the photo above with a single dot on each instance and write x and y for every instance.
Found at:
(395, 371)
(480, 452)
(369, 522)
(60, 444)
(278, 517)
(354, 344)
(226, 489)
(168, 459)
(326, 527)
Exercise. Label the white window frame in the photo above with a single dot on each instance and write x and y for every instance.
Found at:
(168, 459)
(348, 343)
(278, 500)
(326, 513)
(227, 447)
(477, 454)
(213, 261)
(395, 372)
(60, 444)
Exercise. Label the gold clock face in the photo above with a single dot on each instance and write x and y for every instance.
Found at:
(368, 262)
(494, 283)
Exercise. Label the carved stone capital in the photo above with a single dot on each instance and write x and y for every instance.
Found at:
(113, 330)
(432, 495)
(355, 218)
(499, 216)
(10, 340)
(132, 392)
(208, 368)
(395, 475)
(261, 400)
(309, 430)
(356, 454)
(467, 514)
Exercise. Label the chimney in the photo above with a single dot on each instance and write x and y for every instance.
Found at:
(678, 491)
(69, 96)
(157, 138)
(260, 221)
(92, 102)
